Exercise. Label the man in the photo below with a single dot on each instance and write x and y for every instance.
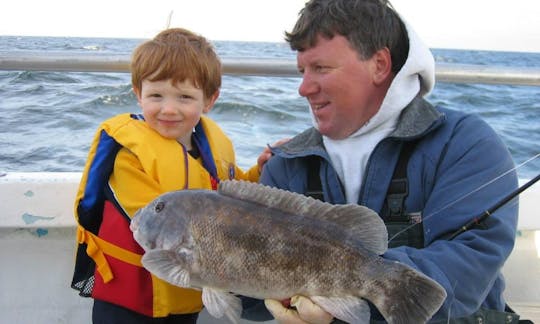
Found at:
(377, 142)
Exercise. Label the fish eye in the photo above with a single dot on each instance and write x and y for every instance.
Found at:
(159, 207)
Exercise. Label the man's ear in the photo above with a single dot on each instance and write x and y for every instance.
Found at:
(210, 102)
(382, 66)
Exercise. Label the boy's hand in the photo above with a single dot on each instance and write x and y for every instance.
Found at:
(304, 311)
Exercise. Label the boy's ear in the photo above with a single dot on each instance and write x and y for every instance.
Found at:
(210, 102)
(137, 93)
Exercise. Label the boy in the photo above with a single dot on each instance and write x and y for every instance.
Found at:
(134, 158)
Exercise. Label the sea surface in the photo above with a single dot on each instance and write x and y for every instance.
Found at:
(47, 119)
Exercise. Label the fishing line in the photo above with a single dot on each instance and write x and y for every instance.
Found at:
(481, 187)
(479, 219)
(498, 205)
(451, 303)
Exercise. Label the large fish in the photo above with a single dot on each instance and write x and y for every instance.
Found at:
(262, 242)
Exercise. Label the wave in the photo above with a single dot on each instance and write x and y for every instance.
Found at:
(56, 114)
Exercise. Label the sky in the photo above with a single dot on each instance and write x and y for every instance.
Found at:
(461, 24)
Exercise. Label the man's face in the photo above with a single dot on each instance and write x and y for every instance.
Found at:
(338, 85)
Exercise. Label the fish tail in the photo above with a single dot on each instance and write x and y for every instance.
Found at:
(408, 297)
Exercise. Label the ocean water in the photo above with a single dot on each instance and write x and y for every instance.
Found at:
(47, 119)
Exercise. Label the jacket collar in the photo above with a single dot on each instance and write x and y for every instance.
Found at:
(416, 120)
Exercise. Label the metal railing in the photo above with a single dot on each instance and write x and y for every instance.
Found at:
(82, 62)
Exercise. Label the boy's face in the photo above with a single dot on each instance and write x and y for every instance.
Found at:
(173, 110)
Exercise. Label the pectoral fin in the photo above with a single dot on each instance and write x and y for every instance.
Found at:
(219, 303)
(168, 266)
(349, 309)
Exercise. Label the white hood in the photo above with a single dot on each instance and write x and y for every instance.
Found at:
(417, 76)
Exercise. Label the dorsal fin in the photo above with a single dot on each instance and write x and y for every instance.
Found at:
(363, 223)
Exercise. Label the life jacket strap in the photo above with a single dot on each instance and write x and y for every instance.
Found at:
(97, 248)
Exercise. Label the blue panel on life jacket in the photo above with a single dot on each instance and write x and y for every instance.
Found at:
(91, 206)
(204, 148)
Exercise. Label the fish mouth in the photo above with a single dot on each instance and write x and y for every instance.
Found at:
(134, 226)
(145, 244)
(134, 223)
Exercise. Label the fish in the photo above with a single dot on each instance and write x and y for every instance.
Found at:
(248, 239)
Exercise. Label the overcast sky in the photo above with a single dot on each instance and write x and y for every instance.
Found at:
(470, 24)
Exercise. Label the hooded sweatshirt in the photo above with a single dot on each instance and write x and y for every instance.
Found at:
(417, 76)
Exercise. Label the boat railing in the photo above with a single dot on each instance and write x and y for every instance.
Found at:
(277, 67)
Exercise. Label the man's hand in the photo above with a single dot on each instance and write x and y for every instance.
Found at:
(267, 154)
(304, 311)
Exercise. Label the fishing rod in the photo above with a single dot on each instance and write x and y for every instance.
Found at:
(477, 220)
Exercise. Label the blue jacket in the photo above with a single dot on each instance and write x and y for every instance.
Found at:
(458, 169)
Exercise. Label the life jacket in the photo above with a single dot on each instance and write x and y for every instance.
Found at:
(108, 261)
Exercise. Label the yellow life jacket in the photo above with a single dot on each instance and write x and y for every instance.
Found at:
(129, 165)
